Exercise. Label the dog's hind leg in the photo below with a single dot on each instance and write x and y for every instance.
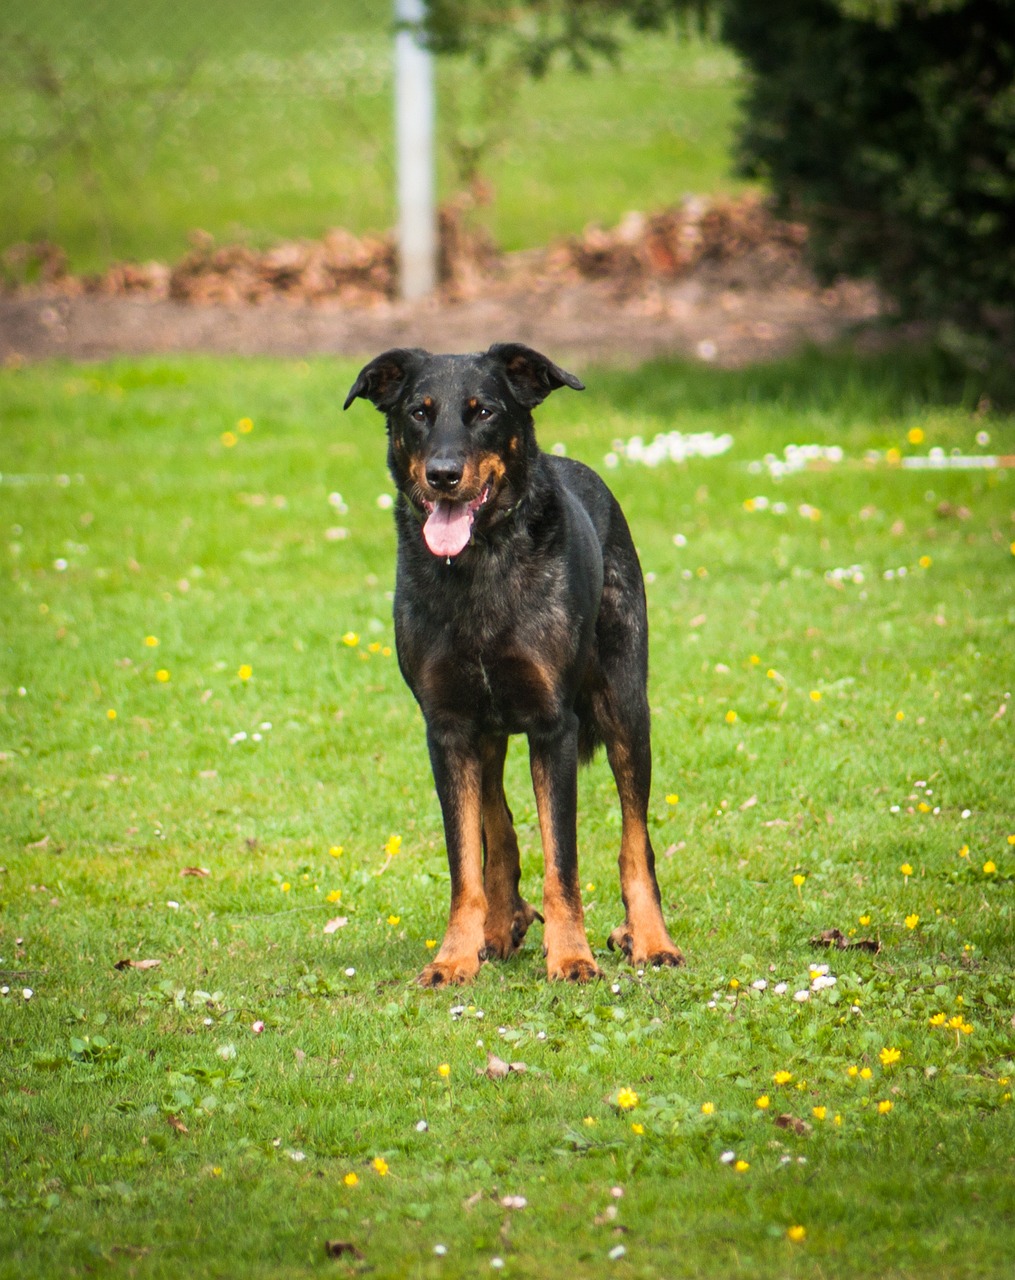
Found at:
(458, 778)
(508, 915)
(642, 937)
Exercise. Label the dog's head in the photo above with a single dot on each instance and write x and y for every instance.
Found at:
(460, 434)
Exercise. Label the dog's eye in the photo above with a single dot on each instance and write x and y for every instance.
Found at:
(483, 414)
(418, 415)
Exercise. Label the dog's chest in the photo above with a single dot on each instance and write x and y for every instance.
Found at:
(502, 665)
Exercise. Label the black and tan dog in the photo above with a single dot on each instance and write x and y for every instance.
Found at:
(519, 608)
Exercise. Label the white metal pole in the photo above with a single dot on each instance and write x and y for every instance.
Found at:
(414, 129)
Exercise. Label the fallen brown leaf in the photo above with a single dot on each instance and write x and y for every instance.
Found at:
(496, 1068)
(195, 871)
(837, 939)
(137, 964)
(339, 922)
(339, 1248)
(792, 1123)
(176, 1123)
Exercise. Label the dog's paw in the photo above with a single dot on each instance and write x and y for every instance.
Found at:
(659, 953)
(449, 973)
(573, 969)
(503, 937)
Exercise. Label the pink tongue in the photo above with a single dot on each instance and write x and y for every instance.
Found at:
(448, 528)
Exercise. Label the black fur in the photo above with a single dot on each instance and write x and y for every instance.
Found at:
(536, 625)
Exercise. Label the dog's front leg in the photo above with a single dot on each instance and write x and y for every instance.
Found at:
(553, 760)
(457, 772)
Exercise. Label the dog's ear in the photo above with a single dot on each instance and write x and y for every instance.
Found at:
(531, 376)
(381, 381)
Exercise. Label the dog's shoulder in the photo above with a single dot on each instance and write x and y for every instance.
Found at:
(591, 492)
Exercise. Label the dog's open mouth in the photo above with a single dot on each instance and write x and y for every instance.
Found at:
(448, 526)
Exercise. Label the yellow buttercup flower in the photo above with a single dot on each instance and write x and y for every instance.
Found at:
(912, 921)
(763, 1103)
(796, 1234)
(889, 1057)
(245, 672)
(381, 1165)
(334, 896)
(392, 845)
(162, 676)
(351, 1180)
(708, 1108)
(783, 1077)
(626, 1099)
(884, 1107)
(444, 1070)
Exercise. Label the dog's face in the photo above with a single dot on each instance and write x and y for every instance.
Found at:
(460, 435)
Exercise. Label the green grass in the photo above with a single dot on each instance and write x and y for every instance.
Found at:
(145, 1129)
(119, 136)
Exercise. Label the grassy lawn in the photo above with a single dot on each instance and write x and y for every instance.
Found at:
(196, 675)
(254, 121)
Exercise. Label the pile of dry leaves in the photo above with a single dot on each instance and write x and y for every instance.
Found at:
(360, 271)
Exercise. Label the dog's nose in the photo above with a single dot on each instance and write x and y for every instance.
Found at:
(444, 474)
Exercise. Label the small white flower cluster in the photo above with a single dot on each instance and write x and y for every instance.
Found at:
(26, 992)
(853, 573)
(820, 980)
(921, 800)
(257, 736)
(670, 446)
(761, 503)
(797, 457)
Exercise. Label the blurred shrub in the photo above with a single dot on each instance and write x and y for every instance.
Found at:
(888, 126)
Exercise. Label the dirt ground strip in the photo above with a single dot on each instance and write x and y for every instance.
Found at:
(720, 314)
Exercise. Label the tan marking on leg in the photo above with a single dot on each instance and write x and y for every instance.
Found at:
(568, 955)
(459, 957)
(643, 936)
(508, 915)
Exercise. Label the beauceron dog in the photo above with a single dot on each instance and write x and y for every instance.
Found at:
(519, 608)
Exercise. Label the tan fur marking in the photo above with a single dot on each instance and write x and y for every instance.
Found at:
(458, 959)
(643, 936)
(568, 955)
